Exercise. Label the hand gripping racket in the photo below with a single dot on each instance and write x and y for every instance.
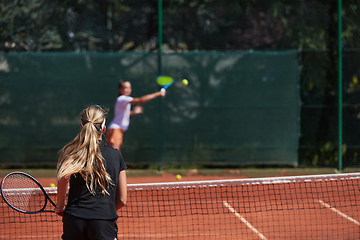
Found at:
(164, 81)
(24, 193)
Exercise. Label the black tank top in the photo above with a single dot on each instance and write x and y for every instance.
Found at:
(81, 203)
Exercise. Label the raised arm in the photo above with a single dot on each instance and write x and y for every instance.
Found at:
(121, 191)
(148, 97)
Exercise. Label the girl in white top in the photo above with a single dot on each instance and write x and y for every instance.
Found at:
(123, 111)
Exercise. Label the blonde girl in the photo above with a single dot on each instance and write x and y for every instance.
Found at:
(94, 176)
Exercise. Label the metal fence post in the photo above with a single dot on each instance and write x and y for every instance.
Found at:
(340, 82)
(160, 39)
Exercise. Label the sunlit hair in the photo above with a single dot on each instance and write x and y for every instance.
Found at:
(83, 155)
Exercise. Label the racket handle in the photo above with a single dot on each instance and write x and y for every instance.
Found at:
(166, 86)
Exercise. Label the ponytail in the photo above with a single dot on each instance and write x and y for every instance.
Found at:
(83, 156)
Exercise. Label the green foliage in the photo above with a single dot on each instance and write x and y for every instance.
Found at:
(114, 25)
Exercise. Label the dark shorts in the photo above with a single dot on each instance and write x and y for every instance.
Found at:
(75, 228)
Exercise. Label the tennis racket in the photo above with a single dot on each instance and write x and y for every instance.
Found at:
(24, 193)
(164, 81)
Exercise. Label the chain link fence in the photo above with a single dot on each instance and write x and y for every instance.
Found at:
(222, 26)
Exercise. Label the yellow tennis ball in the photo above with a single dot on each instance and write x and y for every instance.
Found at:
(52, 185)
(185, 82)
(178, 177)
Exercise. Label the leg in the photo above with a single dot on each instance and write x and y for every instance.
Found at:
(114, 138)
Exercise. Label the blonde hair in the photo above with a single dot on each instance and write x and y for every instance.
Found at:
(83, 155)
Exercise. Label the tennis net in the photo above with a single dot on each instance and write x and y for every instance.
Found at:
(301, 207)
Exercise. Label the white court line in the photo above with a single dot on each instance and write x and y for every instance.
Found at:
(30, 236)
(338, 212)
(244, 220)
(166, 235)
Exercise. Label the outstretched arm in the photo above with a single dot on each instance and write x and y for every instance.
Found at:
(148, 97)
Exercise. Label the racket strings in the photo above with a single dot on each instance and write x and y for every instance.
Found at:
(23, 193)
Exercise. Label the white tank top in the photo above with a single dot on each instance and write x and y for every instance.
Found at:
(122, 113)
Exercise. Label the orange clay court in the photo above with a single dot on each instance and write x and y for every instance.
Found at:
(219, 207)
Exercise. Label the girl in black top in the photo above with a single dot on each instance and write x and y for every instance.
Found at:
(97, 178)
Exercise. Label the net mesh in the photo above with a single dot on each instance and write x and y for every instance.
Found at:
(304, 207)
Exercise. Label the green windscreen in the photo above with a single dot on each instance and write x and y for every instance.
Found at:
(239, 108)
